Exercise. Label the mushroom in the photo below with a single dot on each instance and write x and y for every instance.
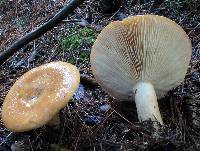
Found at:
(141, 58)
(38, 95)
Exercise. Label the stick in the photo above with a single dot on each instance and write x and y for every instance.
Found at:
(88, 81)
(68, 8)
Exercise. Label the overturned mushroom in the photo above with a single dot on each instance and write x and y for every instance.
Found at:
(38, 95)
(141, 58)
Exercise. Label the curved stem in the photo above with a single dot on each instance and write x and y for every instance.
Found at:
(146, 102)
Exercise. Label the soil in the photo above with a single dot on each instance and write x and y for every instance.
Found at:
(93, 120)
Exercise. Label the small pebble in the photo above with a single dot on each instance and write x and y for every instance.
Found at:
(121, 16)
(92, 120)
(80, 92)
(105, 107)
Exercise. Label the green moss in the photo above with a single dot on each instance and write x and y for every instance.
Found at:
(77, 44)
(182, 3)
(2, 1)
(196, 146)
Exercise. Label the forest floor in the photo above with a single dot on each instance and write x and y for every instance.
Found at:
(93, 120)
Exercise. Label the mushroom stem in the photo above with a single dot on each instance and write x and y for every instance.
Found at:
(146, 102)
(55, 121)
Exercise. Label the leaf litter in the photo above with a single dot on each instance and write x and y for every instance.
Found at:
(93, 120)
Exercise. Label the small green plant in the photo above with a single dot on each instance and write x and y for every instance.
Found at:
(173, 3)
(77, 44)
(2, 1)
(195, 146)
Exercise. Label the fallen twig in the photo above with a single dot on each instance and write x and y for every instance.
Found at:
(68, 8)
(88, 81)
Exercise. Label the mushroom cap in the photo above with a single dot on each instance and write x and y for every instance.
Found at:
(143, 48)
(38, 95)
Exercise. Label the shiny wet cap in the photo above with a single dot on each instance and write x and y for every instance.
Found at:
(38, 95)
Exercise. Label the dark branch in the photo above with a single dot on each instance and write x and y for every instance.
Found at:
(88, 81)
(67, 9)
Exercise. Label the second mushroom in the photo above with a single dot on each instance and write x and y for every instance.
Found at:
(141, 58)
(37, 96)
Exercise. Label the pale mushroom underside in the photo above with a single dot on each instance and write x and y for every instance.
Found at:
(141, 48)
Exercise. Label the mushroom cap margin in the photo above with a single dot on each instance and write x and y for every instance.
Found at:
(38, 95)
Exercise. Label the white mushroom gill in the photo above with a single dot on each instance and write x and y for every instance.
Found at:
(147, 53)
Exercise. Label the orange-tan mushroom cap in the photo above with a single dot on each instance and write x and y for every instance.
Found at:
(143, 48)
(38, 95)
